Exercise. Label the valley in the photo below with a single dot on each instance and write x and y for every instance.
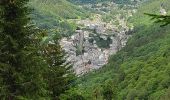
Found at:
(96, 39)
(84, 50)
(112, 47)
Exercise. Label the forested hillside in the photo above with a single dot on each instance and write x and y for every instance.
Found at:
(97, 1)
(140, 71)
(84, 50)
(54, 14)
(30, 69)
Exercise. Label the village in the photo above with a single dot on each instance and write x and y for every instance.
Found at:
(86, 55)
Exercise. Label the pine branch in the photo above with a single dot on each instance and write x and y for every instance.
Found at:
(163, 19)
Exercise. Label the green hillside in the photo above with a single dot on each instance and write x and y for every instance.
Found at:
(49, 50)
(54, 14)
(60, 8)
(97, 1)
(87, 1)
(141, 70)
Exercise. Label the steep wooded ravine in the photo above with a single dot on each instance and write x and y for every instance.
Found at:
(140, 71)
(96, 39)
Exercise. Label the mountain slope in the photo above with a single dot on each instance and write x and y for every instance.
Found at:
(98, 1)
(140, 71)
(54, 14)
(60, 8)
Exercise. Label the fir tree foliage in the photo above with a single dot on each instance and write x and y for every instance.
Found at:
(26, 71)
(164, 20)
(59, 74)
(21, 66)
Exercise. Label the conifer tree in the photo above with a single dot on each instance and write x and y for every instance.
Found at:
(28, 70)
(21, 66)
(164, 20)
(59, 75)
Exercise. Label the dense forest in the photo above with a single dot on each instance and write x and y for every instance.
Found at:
(34, 66)
(140, 70)
(30, 68)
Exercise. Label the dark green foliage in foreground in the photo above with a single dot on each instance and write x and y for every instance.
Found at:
(163, 19)
(21, 66)
(57, 83)
(28, 70)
